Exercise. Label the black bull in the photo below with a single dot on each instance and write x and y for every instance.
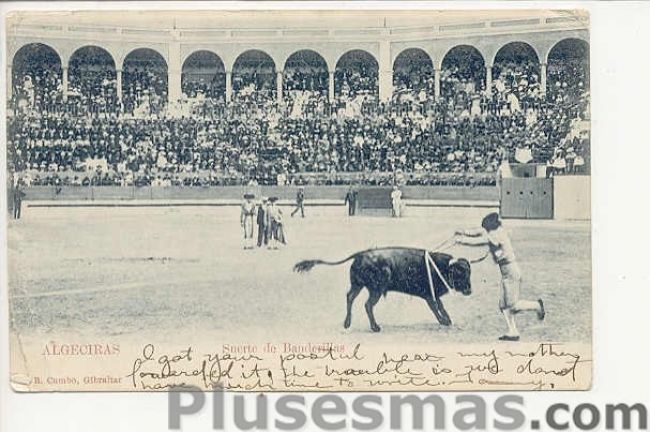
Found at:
(402, 270)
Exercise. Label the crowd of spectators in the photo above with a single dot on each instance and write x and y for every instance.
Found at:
(144, 89)
(89, 138)
(417, 79)
(211, 86)
(254, 85)
(38, 87)
(351, 82)
(306, 79)
(92, 90)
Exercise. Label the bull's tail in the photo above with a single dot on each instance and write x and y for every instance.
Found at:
(306, 265)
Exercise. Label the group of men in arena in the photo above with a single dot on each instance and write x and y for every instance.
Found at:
(269, 219)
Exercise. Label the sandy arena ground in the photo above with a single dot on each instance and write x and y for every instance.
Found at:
(180, 273)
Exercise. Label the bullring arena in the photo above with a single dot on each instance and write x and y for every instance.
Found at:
(134, 138)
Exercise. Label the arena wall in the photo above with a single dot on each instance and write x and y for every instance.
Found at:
(572, 197)
(229, 193)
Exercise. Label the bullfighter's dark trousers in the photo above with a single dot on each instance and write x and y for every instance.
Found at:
(261, 236)
(301, 207)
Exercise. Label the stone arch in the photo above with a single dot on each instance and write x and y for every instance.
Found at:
(516, 50)
(306, 69)
(35, 59)
(255, 70)
(357, 71)
(91, 72)
(568, 66)
(126, 51)
(413, 69)
(516, 69)
(462, 65)
(16, 47)
(144, 78)
(204, 72)
(94, 51)
(576, 39)
(69, 51)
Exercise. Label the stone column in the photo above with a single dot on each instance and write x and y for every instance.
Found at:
(385, 71)
(174, 84)
(436, 83)
(175, 67)
(10, 79)
(118, 88)
(488, 79)
(228, 86)
(542, 77)
(385, 85)
(331, 87)
(64, 82)
(278, 83)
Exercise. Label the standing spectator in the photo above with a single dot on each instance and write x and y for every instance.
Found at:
(276, 224)
(396, 198)
(300, 202)
(262, 209)
(246, 220)
(351, 201)
(18, 200)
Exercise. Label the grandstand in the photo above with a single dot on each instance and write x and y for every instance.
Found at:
(134, 137)
(232, 99)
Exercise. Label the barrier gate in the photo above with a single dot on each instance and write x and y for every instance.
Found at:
(375, 201)
(527, 198)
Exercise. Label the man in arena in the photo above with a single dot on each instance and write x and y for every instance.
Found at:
(493, 235)
(246, 219)
(396, 198)
(504, 171)
(351, 200)
(275, 224)
(300, 202)
(262, 238)
(18, 196)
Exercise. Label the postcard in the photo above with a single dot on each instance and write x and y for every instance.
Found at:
(299, 200)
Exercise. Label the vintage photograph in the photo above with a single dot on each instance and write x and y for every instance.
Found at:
(299, 200)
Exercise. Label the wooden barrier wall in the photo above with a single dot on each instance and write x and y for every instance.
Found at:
(570, 196)
(527, 198)
(103, 193)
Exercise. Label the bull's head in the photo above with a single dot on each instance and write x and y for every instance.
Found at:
(460, 273)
